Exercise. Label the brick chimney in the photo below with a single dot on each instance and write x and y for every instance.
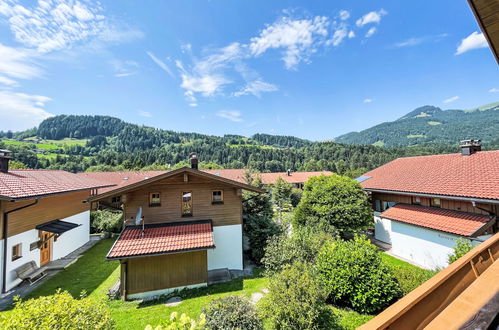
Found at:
(469, 147)
(193, 157)
(4, 160)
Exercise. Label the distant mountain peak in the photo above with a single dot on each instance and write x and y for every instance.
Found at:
(424, 111)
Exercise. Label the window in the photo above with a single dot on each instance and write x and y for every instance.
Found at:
(186, 203)
(435, 202)
(416, 200)
(217, 197)
(154, 199)
(17, 251)
(116, 199)
(377, 205)
(385, 206)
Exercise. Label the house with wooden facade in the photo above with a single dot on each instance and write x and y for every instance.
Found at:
(179, 225)
(44, 216)
(422, 205)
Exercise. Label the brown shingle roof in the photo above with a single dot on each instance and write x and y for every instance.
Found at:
(22, 184)
(454, 222)
(475, 176)
(162, 239)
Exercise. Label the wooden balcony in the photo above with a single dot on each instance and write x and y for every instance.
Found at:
(463, 295)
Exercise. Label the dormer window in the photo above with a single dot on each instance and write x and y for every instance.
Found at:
(154, 199)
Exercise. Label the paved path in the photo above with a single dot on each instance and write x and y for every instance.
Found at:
(53, 268)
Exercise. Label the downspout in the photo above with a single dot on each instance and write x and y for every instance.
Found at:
(5, 236)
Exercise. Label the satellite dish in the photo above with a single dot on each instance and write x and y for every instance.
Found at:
(138, 217)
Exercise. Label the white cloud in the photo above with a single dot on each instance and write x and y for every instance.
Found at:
(124, 68)
(371, 17)
(256, 88)
(370, 32)
(473, 41)
(351, 34)
(8, 82)
(494, 90)
(18, 63)
(344, 15)
(414, 41)
(451, 99)
(59, 24)
(232, 115)
(146, 114)
(297, 38)
(338, 36)
(19, 111)
(161, 64)
(368, 100)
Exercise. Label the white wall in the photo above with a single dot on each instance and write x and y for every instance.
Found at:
(426, 247)
(66, 243)
(382, 229)
(228, 252)
(73, 239)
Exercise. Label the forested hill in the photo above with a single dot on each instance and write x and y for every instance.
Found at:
(430, 124)
(80, 143)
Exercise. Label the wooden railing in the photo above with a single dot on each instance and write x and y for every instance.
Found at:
(440, 300)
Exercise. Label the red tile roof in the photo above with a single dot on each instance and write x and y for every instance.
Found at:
(22, 184)
(163, 239)
(454, 222)
(119, 179)
(475, 176)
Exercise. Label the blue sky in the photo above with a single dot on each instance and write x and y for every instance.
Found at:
(313, 69)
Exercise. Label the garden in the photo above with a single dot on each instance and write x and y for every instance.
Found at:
(314, 271)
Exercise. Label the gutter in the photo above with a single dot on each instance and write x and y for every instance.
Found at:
(461, 198)
(5, 237)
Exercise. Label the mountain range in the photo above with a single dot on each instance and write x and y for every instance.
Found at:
(432, 125)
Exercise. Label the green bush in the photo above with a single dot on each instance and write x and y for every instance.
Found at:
(259, 231)
(354, 275)
(296, 196)
(296, 300)
(334, 204)
(408, 276)
(461, 247)
(302, 246)
(183, 322)
(231, 312)
(103, 221)
(58, 311)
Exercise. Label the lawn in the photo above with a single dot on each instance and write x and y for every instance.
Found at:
(92, 274)
(409, 276)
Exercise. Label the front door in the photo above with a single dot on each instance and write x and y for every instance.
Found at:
(46, 247)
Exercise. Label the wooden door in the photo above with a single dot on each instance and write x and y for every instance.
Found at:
(45, 248)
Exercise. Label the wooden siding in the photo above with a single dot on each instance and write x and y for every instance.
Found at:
(166, 271)
(487, 14)
(47, 209)
(448, 204)
(228, 213)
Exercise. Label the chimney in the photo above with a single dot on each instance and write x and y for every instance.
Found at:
(4, 160)
(469, 147)
(193, 157)
(289, 172)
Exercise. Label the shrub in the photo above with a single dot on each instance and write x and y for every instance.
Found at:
(461, 247)
(354, 275)
(103, 221)
(231, 312)
(334, 203)
(259, 230)
(296, 300)
(296, 196)
(58, 311)
(183, 322)
(302, 246)
(256, 204)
